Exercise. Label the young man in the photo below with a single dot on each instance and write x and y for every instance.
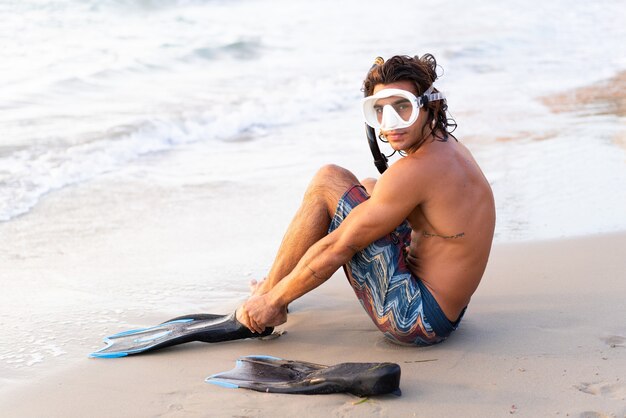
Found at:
(414, 244)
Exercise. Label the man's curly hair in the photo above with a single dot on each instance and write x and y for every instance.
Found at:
(422, 72)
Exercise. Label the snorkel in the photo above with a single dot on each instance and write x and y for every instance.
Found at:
(380, 159)
(390, 109)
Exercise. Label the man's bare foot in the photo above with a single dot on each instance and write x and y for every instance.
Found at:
(254, 285)
(257, 287)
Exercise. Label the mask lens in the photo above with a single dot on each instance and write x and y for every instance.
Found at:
(401, 105)
(390, 108)
(404, 109)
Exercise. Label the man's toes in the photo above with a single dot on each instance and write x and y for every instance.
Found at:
(253, 285)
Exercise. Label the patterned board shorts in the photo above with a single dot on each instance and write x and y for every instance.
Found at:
(396, 300)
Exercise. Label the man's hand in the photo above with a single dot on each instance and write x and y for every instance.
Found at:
(257, 313)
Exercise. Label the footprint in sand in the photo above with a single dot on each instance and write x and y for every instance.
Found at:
(594, 414)
(359, 407)
(614, 341)
(612, 390)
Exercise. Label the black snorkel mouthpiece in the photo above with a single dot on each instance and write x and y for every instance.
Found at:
(380, 160)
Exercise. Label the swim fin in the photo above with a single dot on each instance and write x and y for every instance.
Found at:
(207, 328)
(275, 375)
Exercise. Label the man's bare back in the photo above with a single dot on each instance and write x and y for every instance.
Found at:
(453, 228)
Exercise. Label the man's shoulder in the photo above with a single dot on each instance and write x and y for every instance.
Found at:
(406, 178)
(420, 164)
(430, 167)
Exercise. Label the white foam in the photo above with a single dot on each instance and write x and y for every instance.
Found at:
(34, 358)
(30, 173)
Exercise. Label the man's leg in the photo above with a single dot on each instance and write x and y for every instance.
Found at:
(369, 184)
(311, 222)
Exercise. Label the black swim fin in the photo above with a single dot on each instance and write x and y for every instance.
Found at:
(207, 328)
(275, 375)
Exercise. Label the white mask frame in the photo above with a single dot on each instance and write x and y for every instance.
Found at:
(390, 118)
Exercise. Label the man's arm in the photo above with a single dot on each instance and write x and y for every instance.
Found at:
(395, 196)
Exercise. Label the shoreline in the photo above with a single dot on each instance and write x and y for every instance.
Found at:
(543, 335)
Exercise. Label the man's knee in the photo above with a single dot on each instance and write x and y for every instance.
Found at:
(330, 183)
(332, 172)
(369, 184)
(334, 177)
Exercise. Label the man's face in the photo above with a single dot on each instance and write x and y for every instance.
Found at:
(403, 138)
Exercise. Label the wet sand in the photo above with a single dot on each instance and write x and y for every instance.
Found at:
(543, 336)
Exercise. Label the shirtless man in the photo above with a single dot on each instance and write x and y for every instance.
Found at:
(415, 243)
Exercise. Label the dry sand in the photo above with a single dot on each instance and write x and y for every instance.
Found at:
(545, 335)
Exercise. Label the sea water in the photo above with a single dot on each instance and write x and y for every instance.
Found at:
(127, 124)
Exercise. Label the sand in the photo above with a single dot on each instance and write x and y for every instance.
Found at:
(545, 335)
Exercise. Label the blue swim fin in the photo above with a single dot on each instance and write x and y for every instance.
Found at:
(207, 328)
(275, 375)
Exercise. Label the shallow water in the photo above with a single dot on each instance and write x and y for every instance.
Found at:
(90, 87)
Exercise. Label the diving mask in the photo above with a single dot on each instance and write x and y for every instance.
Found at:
(398, 110)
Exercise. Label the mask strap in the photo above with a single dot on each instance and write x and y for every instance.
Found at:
(429, 96)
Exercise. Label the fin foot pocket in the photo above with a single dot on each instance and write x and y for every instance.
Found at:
(275, 375)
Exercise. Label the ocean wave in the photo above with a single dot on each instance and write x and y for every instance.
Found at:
(149, 4)
(30, 172)
(242, 49)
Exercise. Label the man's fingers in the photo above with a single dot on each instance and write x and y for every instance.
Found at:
(251, 323)
(254, 326)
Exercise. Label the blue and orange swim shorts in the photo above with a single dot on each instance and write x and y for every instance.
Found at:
(397, 301)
